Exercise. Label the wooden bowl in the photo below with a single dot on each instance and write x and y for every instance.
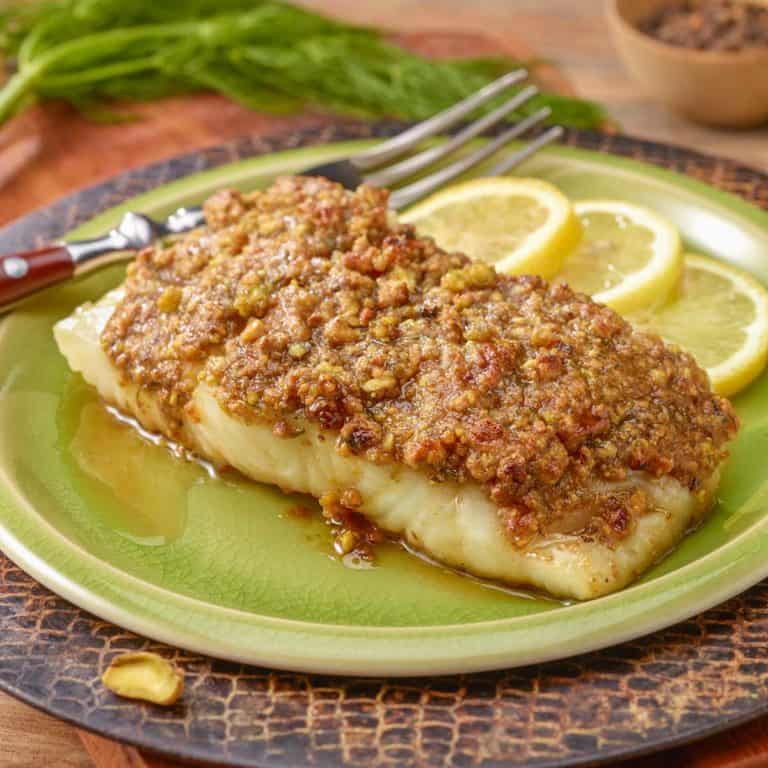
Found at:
(717, 88)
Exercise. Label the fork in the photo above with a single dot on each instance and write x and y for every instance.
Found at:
(22, 274)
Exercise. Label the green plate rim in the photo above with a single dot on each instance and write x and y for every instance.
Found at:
(370, 650)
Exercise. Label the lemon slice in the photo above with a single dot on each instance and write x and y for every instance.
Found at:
(628, 256)
(518, 225)
(720, 315)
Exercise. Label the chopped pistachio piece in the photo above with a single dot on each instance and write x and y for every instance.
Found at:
(346, 542)
(145, 676)
(298, 350)
(379, 383)
(169, 299)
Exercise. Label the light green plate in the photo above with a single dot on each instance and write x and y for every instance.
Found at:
(225, 567)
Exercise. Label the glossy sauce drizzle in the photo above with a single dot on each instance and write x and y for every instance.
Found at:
(150, 478)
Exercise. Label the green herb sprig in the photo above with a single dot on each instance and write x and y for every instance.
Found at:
(266, 55)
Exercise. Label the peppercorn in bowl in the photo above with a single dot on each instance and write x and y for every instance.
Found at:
(706, 59)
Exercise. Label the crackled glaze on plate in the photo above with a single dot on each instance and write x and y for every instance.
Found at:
(223, 567)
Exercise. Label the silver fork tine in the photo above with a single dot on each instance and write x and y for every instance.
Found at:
(408, 139)
(508, 163)
(411, 165)
(422, 187)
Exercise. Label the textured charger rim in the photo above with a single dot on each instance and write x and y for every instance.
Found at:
(45, 223)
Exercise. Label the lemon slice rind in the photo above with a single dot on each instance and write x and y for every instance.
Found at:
(743, 366)
(659, 276)
(543, 251)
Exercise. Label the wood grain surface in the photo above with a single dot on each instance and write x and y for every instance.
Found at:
(51, 151)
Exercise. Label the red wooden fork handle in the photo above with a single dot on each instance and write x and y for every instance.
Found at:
(21, 274)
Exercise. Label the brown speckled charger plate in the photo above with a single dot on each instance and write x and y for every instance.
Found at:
(698, 677)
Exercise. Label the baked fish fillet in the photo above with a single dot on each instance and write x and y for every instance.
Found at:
(305, 340)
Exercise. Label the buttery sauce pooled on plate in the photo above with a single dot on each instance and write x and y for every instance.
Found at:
(150, 480)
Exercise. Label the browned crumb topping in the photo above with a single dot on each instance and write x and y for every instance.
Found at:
(299, 511)
(352, 532)
(304, 302)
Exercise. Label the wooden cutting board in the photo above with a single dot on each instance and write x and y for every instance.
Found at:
(51, 150)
